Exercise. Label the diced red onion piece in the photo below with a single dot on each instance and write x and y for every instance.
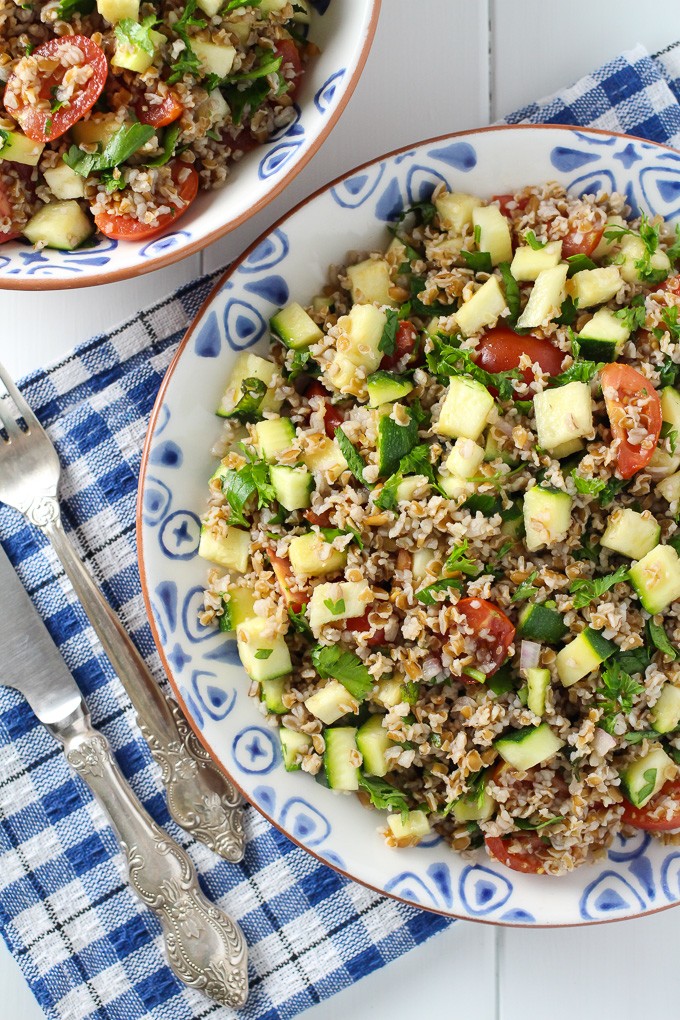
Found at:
(529, 655)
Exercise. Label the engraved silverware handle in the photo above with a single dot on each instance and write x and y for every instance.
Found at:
(200, 797)
(205, 948)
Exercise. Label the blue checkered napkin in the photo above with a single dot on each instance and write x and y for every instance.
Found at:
(86, 947)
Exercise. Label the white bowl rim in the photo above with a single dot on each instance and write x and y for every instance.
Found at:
(141, 267)
(232, 268)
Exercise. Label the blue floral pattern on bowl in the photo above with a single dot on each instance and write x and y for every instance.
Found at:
(343, 33)
(639, 874)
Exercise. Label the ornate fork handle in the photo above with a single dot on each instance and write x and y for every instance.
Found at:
(200, 798)
(205, 948)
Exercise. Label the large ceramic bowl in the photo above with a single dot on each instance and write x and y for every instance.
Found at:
(344, 32)
(639, 875)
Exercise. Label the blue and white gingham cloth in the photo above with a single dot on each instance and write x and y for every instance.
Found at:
(85, 945)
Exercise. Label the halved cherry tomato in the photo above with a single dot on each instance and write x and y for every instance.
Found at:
(504, 201)
(581, 238)
(295, 600)
(42, 124)
(653, 816)
(671, 284)
(627, 391)
(160, 114)
(404, 342)
(500, 350)
(126, 228)
(493, 631)
(529, 859)
(332, 417)
(360, 624)
(321, 520)
(245, 141)
(290, 54)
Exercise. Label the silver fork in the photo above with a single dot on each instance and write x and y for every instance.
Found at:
(200, 798)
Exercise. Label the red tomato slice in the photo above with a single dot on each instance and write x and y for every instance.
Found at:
(493, 630)
(505, 200)
(290, 54)
(500, 350)
(529, 859)
(653, 816)
(160, 114)
(40, 123)
(284, 576)
(581, 239)
(671, 284)
(126, 228)
(322, 520)
(332, 417)
(405, 341)
(626, 391)
(360, 624)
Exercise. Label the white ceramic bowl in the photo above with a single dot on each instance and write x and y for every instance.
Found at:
(639, 875)
(344, 32)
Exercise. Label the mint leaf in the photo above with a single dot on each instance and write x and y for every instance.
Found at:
(355, 461)
(387, 340)
(659, 638)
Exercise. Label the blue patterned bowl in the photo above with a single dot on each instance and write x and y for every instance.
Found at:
(639, 875)
(343, 32)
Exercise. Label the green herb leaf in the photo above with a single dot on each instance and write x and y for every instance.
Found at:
(187, 61)
(568, 313)
(300, 622)
(617, 693)
(637, 736)
(579, 262)
(242, 99)
(423, 211)
(137, 34)
(527, 589)
(387, 340)
(611, 490)
(580, 371)
(633, 317)
(263, 653)
(269, 63)
(334, 661)
(334, 607)
(459, 561)
(483, 503)
(238, 486)
(585, 592)
(355, 461)
(235, 4)
(387, 499)
(478, 261)
(650, 239)
(170, 137)
(126, 141)
(501, 682)
(533, 242)
(383, 795)
(446, 584)
(528, 826)
(410, 692)
(512, 294)
(659, 638)
(649, 776)
(587, 486)
(67, 8)
(635, 660)
(588, 551)
(448, 358)
(253, 392)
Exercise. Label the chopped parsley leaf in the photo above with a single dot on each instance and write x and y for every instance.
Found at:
(388, 339)
(331, 661)
(586, 591)
(459, 562)
(533, 241)
(617, 694)
(512, 294)
(263, 653)
(335, 607)
(478, 261)
(526, 589)
(669, 433)
(383, 795)
(426, 595)
(355, 461)
(659, 638)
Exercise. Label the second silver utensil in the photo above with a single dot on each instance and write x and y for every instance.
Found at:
(205, 948)
(200, 797)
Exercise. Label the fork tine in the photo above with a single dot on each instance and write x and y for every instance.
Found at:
(8, 421)
(22, 407)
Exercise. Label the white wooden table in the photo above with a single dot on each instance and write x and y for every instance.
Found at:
(480, 59)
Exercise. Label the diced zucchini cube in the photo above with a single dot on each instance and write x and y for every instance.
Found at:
(665, 714)
(230, 551)
(271, 695)
(312, 556)
(409, 486)
(465, 410)
(605, 325)
(132, 57)
(341, 600)
(669, 487)
(64, 183)
(269, 6)
(61, 225)
(114, 11)
(670, 408)
(210, 7)
(98, 129)
(453, 486)
(326, 457)
(563, 414)
(292, 485)
(273, 436)
(630, 533)
(483, 308)
(663, 463)
(644, 778)
(250, 366)
(633, 250)
(409, 831)
(566, 449)
(606, 246)
(422, 558)
(294, 745)
(656, 578)
(465, 458)
(370, 282)
(582, 656)
(389, 692)
(595, 286)
(545, 300)
(359, 340)
(215, 58)
(263, 658)
(528, 263)
(296, 328)
(494, 233)
(341, 750)
(17, 148)
(547, 516)
(472, 808)
(331, 703)
(538, 682)
(455, 210)
(524, 749)
(386, 387)
(238, 607)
